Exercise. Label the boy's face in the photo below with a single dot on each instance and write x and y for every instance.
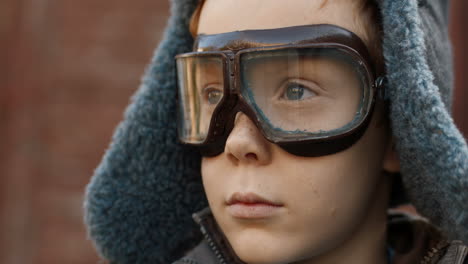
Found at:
(313, 207)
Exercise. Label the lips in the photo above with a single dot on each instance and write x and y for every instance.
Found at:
(251, 206)
(250, 198)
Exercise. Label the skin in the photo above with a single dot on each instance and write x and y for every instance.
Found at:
(334, 207)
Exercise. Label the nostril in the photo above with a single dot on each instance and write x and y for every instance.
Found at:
(251, 156)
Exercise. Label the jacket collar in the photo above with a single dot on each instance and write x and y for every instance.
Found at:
(412, 240)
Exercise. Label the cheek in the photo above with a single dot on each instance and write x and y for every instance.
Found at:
(340, 181)
(213, 183)
(332, 196)
(346, 181)
(329, 201)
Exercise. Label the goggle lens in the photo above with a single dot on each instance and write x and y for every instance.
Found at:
(304, 92)
(201, 89)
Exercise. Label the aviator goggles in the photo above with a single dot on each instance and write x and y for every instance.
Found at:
(309, 89)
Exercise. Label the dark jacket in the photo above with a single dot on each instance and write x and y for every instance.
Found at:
(412, 240)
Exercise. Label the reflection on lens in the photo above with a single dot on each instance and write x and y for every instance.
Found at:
(201, 88)
(304, 90)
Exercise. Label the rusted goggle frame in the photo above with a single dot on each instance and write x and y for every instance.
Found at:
(222, 120)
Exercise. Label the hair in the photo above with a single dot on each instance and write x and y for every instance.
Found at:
(368, 17)
(193, 26)
(372, 23)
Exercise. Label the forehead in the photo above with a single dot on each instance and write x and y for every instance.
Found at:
(220, 16)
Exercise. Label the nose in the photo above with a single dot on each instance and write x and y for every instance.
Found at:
(246, 144)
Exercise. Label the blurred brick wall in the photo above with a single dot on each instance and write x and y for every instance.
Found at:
(459, 34)
(67, 69)
(67, 75)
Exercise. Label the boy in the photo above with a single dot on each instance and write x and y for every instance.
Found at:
(286, 106)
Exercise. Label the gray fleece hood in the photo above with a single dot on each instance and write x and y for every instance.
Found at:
(140, 200)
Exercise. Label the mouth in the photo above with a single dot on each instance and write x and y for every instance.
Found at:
(251, 206)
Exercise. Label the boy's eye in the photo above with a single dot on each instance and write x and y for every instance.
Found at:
(296, 92)
(213, 95)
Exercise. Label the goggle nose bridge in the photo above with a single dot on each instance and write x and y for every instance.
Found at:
(224, 120)
(232, 72)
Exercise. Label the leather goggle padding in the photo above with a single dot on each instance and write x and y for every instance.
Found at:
(297, 35)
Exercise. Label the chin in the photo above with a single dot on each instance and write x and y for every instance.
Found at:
(265, 257)
(258, 256)
(260, 248)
